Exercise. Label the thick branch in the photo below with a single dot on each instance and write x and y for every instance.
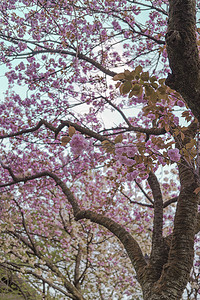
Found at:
(170, 201)
(84, 130)
(197, 229)
(133, 249)
(149, 131)
(158, 210)
(175, 275)
(77, 268)
(159, 252)
(168, 238)
(183, 52)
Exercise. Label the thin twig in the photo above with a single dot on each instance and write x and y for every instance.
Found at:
(135, 202)
(142, 190)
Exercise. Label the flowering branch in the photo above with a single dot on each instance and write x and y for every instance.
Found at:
(81, 129)
(133, 249)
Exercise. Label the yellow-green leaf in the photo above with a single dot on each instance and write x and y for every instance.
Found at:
(167, 128)
(129, 75)
(105, 142)
(65, 140)
(190, 144)
(153, 96)
(126, 87)
(186, 115)
(162, 89)
(108, 146)
(136, 90)
(182, 135)
(149, 90)
(154, 85)
(161, 81)
(138, 70)
(72, 131)
(145, 76)
(118, 139)
(153, 78)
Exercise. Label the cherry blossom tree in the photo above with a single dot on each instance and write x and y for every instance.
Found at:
(100, 147)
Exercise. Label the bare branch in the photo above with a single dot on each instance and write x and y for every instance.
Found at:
(141, 32)
(170, 201)
(119, 110)
(54, 285)
(9, 170)
(135, 202)
(152, 7)
(143, 191)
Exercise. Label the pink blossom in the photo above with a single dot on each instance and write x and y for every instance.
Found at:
(132, 175)
(123, 159)
(119, 150)
(180, 103)
(78, 144)
(131, 151)
(130, 162)
(174, 154)
(58, 232)
(161, 161)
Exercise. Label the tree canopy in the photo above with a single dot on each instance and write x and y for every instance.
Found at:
(99, 163)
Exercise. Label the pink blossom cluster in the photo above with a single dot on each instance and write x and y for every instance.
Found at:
(132, 175)
(174, 154)
(125, 154)
(78, 144)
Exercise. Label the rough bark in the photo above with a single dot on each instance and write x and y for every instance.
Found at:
(132, 247)
(159, 252)
(176, 271)
(183, 53)
(185, 78)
